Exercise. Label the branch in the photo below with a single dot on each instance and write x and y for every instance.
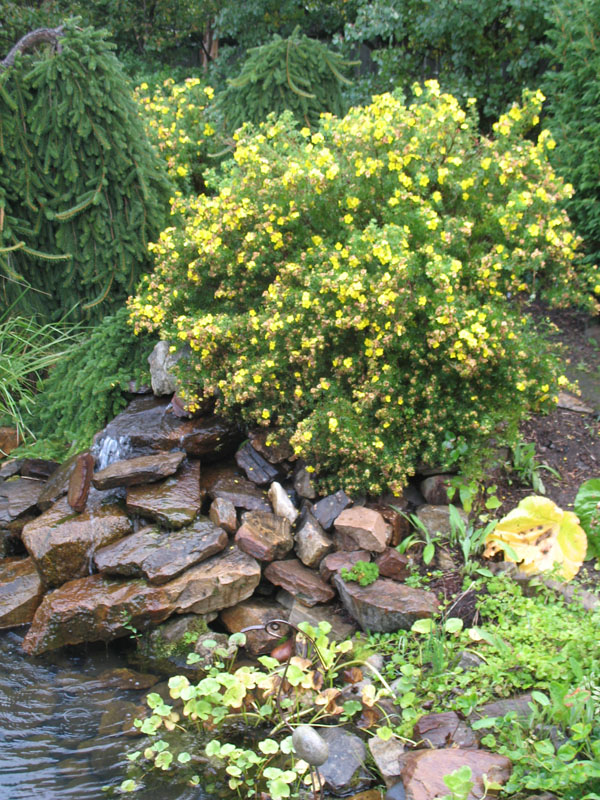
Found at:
(32, 39)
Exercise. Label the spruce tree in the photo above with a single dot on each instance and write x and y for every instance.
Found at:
(81, 189)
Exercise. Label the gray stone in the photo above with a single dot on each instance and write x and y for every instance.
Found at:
(345, 769)
(387, 757)
(385, 605)
(312, 543)
(396, 792)
(162, 362)
(241, 493)
(257, 469)
(310, 745)
(445, 729)
(435, 490)
(498, 708)
(340, 628)
(282, 505)
(327, 510)
(18, 497)
(303, 483)
(437, 518)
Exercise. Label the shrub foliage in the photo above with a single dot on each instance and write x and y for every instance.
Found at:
(81, 189)
(359, 286)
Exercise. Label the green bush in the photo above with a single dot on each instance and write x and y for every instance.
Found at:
(297, 74)
(81, 189)
(83, 392)
(574, 112)
(360, 286)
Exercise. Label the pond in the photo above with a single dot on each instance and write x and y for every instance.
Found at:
(61, 726)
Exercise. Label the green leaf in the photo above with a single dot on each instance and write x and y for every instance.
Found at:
(423, 626)
(268, 746)
(428, 553)
(385, 732)
(453, 625)
(540, 698)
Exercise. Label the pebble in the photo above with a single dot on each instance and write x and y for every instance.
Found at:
(310, 746)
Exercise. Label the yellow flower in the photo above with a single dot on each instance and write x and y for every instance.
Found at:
(265, 413)
(333, 424)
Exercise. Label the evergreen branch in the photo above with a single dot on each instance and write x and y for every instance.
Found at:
(32, 39)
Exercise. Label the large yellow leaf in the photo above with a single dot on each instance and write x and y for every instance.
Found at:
(537, 534)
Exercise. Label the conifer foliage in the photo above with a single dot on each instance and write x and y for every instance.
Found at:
(81, 189)
(298, 74)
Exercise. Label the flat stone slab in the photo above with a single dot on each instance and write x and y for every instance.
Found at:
(385, 605)
(134, 471)
(147, 424)
(98, 608)
(173, 502)
(80, 481)
(342, 559)
(327, 510)
(21, 591)
(62, 543)
(18, 497)
(361, 528)
(241, 492)
(424, 770)
(445, 729)
(258, 470)
(264, 535)
(345, 766)
(159, 555)
(278, 449)
(303, 583)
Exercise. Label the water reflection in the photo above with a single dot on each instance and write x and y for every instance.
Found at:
(61, 728)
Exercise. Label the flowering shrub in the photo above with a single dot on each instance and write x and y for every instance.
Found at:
(177, 122)
(359, 286)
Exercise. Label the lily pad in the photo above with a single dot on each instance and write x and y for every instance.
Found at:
(587, 508)
(539, 535)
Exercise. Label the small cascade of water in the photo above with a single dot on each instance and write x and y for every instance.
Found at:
(109, 449)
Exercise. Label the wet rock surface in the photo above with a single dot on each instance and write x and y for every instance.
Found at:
(327, 510)
(173, 502)
(133, 471)
(62, 543)
(298, 580)
(241, 493)
(360, 528)
(161, 555)
(255, 613)
(385, 605)
(445, 729)
(18, 497)
(80, 481)
(21, 591)
(345, 766)
(264, 535)
(424, 771)
(258, 470)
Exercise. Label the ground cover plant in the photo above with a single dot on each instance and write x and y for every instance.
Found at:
(360, 286)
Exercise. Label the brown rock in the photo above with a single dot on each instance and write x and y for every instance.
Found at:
(435, 489)
(174, 502)
(437, 518)
(62, 543)
(342, 559)
(255, 612)
(98, 608)
(222, 513)
(299, 581)
(9, 440)
(385, 605)
(58, 484)
(400, 524)
(134, 471)
(80, 480)
(159, 555)
(18, 498)
(340, 626)
(312, 543)
(393, 564)
(123, 678)
(264, 536)
(424, 771)
(21, 591)
(241, 493)
(41, 468)
(445, 729)
(388, 757)
(278, 449)
(360, 528)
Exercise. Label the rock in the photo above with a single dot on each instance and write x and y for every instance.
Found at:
(387, 757)
(303, 482)
(282, 505)
(310, 746)
(385, 605)
(21, 591)
(424, 771)
(345, 767)
(58, 483)
(257, 469)
(284, 651)
(572, 403)
(62, 543)
(159, 555)
(370, 794)
(469, 660)
(123, 678)
(98, 608)
(204, 647)
(173, 502)
(445, 729)
(9, 440)
(329, 508)
(241, 493)
(18, 498)
(343, 559)
(41, 468)
(278, 449)
(396, 792)
(360, 528)
(146, 425)
(312, 543)
(299, 581)
(393, 564)
(435, 490)
(498, 708)
(134, 471)
(167, 647)
(222, 513)
(162, 362)
(80, 480)
(255, 612)
(264, 535)
(437, 518)
(400, 525)
(340, 628)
